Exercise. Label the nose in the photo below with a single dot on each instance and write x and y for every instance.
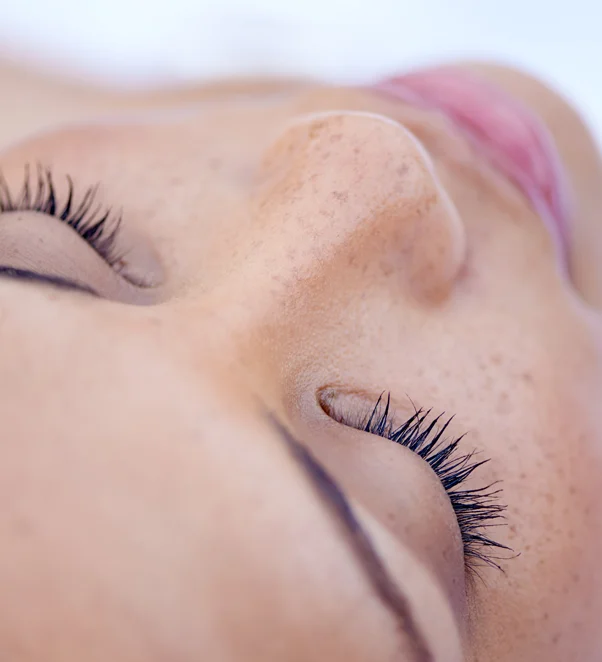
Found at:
(353, 188)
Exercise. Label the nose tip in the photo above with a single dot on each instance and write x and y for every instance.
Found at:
(360, 182)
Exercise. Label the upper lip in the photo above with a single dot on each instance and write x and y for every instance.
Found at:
(509, 134)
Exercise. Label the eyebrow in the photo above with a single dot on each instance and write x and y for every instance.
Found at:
(55, 281)
(358, 540)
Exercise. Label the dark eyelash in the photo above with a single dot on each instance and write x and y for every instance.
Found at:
(477, 509)
(95, 225)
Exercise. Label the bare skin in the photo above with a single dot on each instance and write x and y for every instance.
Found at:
(299, 249)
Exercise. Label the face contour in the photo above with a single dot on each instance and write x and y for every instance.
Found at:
(284, 257)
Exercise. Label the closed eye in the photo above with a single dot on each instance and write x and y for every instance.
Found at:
(94, 224)
(477, 510)
(91, 253)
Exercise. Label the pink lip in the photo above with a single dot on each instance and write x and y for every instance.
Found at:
(511, 136)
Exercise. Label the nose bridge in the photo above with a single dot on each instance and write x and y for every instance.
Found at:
(354, 185)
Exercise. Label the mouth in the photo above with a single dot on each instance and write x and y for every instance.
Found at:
(513, 139)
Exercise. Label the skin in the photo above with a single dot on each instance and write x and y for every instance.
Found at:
(305, 248)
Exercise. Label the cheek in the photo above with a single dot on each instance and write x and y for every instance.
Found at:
(530, 402)
(556, 511)
(551, 594)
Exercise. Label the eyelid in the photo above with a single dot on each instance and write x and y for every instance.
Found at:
(43, 246)
(55, 281)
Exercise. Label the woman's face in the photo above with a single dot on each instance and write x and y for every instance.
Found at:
(172, 474)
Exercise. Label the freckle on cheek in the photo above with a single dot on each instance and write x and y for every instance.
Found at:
(527, 377)
(343, 196)
(496, 359)
(550, 498)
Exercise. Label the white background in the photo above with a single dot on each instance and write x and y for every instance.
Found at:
(148, 42)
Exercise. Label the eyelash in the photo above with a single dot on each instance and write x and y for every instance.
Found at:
(95, 225)
(477, 509)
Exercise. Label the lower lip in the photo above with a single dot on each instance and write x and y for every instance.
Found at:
(512, 137)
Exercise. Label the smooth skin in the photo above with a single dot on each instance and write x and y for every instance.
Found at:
(299, 248)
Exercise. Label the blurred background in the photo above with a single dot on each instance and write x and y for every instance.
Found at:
(147, 43)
